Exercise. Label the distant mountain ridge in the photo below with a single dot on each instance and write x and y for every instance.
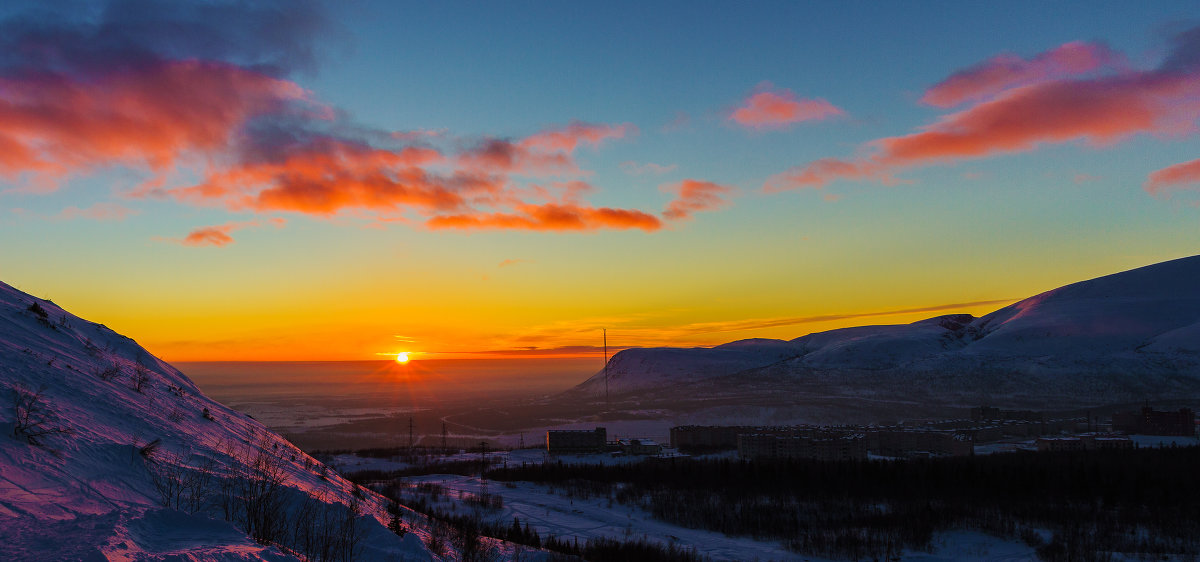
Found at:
(1129, 335)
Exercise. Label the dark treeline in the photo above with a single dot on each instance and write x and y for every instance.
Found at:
(465, 531)
(449, 467)
(1070, 506)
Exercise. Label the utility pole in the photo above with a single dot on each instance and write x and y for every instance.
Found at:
(482, 467)
(443, 437)
(410, 432)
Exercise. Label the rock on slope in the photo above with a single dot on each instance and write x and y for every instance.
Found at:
(109, 453)
(1129, 335)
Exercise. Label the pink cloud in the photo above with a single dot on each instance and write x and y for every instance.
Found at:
(51, 125)
(1179, 176)
(774, 109)
(692, 196)
(566, 139)
(1005, 71)
(261, 145)
(1098, 112)
(219, 235)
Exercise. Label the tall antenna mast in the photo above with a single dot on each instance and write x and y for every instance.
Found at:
(607, 404)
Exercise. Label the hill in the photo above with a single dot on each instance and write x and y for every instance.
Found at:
(108, 453)
(1127, 336)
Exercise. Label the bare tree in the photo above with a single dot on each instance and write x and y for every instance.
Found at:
(33, 418)
(140, 378)
(261, 495)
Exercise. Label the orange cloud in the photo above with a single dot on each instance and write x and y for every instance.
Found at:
(551, 217)
(694, 196)
(1005, 71)
(774, 109)
(1160, 182)
(324, 176)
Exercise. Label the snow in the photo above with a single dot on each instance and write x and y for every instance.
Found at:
(584, 518)
(1153, 441)
(972, 546)
(89, 494)
(1128, 336)
(551, 513)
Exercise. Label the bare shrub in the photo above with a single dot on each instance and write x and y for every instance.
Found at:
(167, 476)
(150, 449)
(180, 486)
(108, 373)
(33, 420)
(439, 535)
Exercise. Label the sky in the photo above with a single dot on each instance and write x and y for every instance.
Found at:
(347, 181)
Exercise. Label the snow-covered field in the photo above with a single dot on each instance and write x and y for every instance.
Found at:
(571, 518)
(552, 512)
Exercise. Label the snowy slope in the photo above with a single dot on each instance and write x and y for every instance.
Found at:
(97, 491)
(641, 368)
(1129, 335)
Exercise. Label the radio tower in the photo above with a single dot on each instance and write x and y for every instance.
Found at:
(607, 403)
(410, 432)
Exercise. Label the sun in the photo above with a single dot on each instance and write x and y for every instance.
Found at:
(402, 357)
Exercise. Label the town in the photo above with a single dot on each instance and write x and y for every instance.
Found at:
(987, 430)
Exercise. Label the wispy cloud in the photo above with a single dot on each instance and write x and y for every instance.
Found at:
(634, 169)
(1180, 176)
(758, 324)
(219, 235)
(1006, 71)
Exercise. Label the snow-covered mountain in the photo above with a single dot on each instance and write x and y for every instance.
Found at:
(108, 453)
(1130, 335)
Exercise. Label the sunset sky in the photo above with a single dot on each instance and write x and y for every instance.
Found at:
(307, 181)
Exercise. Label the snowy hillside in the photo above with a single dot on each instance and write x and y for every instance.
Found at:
(109, 453)
(1129, 335)
(640, 368)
